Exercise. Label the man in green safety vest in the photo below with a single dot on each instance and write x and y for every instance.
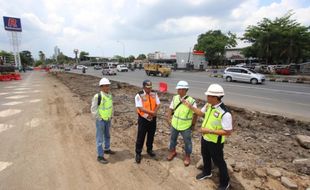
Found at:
(102, 108)
(216, 125)
(182, 120)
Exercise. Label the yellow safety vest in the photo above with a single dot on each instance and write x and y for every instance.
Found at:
(213, 121)
(183, 116)
(106, 106)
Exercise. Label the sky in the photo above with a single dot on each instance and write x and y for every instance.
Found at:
(133, 27)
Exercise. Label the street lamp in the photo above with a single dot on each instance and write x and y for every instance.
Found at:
(123, 44)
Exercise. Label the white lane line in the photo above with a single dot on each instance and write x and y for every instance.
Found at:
(264, 98)
(3, 93)
(35, 122)
(23, 89)
(17, 97)
(4, 165)
(35, 100)
(12, 103)
(10, 87)
(4, 127)
(9, 112)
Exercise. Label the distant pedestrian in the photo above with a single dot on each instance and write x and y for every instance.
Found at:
(147, 104)
(102, 109)
(182, 120)
(216, 125)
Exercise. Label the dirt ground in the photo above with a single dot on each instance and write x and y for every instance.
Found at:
(259, 142)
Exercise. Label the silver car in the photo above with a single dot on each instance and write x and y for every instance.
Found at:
(243, 75)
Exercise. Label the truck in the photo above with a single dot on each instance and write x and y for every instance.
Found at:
(157, 69)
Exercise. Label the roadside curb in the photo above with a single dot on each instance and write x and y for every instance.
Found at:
(286, 80)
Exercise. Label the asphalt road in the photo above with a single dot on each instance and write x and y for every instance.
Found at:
(286, 99)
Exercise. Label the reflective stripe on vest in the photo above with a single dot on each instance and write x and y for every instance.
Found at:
(148, 103)
(106, 106)
(183, 116)
(213, 121)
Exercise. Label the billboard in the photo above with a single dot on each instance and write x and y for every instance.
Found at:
(12, 24)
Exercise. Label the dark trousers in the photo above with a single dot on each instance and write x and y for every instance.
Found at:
(145, 128)
(214, 151)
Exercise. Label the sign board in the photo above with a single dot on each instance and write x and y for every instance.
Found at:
(12, 24)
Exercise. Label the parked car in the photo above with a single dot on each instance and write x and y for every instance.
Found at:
(67, 68)
(243, 75)
(122, 68)
(97, 67)
(109, 70)
(80, 67)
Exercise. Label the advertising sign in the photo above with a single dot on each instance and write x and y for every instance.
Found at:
(12, 24)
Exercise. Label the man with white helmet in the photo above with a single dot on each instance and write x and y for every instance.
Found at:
(102, 108)
(182, 120)
(216, 125)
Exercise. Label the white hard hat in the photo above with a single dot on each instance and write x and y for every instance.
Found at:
(182, 85)
(215, 90)
(104, 81)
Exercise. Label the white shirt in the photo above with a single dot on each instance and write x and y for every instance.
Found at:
(226, 119)
(138, 100)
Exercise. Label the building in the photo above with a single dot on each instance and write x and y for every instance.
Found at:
(234, 56)
(191, 60)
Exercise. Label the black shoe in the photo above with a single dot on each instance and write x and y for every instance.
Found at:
(202, 176)
(109, 151)
(224, 187)
(102, 160)
(138, 158)
(151, 153)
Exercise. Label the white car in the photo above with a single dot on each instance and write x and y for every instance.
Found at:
(80, 67)
(243, 75)
(122, 68)
(109, 70)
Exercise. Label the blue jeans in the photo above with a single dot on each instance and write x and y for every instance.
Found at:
(102, 135)
(187, 137)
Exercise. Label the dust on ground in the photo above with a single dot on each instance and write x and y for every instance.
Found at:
(259, 142)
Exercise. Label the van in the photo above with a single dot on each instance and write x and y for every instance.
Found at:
(243, 75)
(122, 68)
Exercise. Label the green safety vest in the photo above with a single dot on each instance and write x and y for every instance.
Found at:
(213, 121)
(183, 116)
(106, 106)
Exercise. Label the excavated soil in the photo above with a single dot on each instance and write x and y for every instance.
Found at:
(259, 141)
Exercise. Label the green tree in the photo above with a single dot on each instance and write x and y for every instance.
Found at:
(282, 40)
(6, 57)
(130, 59)
(213, 43)
(83, 55)
(141, 57)
(26, 58)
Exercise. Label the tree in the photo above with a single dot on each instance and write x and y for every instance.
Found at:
(280, 41)
(6, 57)
(141, 57)
(26, 58)
(130, 59)
(213, 43)
(83, 55)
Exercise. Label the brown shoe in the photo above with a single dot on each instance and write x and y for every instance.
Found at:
(187, 160)
(171, 155)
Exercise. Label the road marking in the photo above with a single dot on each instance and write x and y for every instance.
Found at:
(4, 127)
(35, 100)
(17, 97)
(4, 165)
(35, 122)
(3, 93)
(9, 112)
(23, 89)
(12, 103)
(10, 87)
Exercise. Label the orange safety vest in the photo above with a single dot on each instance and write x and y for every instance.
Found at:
(148, 102)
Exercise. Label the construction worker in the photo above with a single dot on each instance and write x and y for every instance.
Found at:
(102, 108)
(182, 121)
(147, 104)
(216, 125)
